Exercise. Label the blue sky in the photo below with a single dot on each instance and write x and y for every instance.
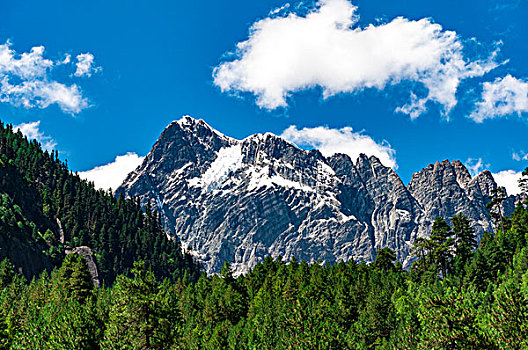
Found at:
(410, 81)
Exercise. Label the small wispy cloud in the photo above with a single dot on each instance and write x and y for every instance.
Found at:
(501, 5)
(85, 65)
(113, 174)
(503, 97)
(66, 60)
(289, 52)
(520, 156)
(25, 81)
(32, 131)
(475, 166)
(331, 141)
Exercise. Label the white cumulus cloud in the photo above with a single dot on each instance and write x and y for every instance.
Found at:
(85, 65)
(502, 97)
(509, 180)
(330, 141)
(325, 48)
(113, 174)
(32, 131)
(25, 81)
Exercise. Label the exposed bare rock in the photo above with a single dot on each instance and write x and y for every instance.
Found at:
(446, 189)
(61, 232)
(244, 200)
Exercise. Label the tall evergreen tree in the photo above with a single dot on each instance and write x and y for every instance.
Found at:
(497, 198)
(385, 259)
(137, 319)
(523, 182)
(435, 253)
(76, 277)
(465, 240)
(442, 241)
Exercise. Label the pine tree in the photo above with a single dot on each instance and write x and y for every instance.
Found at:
(442, 241)
(75, 278)
(80, 284)
(465, 240)
(137, 319)
(523, 182)
(385, 258)
(421, 250)
(498, 196)
(436, 252)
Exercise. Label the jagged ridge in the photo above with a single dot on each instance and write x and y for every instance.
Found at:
(243, 200)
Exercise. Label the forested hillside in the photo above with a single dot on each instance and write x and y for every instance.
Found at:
(452, 298)
(41, 200)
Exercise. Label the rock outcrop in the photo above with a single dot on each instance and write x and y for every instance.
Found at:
(244, 200)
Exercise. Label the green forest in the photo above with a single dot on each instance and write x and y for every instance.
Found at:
(455, 296)
(40, 197)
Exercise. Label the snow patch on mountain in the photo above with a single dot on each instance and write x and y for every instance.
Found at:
(228, 160)
(259, 177)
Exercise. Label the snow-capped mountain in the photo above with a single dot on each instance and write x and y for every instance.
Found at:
(242, 200)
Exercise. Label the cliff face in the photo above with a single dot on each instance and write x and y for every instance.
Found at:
(243, 200)
(445, 189)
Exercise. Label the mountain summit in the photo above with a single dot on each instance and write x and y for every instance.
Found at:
(242, 200)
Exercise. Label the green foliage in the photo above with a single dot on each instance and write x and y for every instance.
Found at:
(498, 196)
(523, 181)
(43, 203)
(507, 320)
(450, 320)
(7, 273)
(435, 254)
(138, 317)
(465, 243)
(481, 302)
(385, 259)
(75, 277)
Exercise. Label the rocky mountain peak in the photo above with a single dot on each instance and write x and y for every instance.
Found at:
(485, 182)
(463, 176)
(441, 174)
(242, 200)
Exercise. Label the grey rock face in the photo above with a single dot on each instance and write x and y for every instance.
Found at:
(446, 189)
(244, 200)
